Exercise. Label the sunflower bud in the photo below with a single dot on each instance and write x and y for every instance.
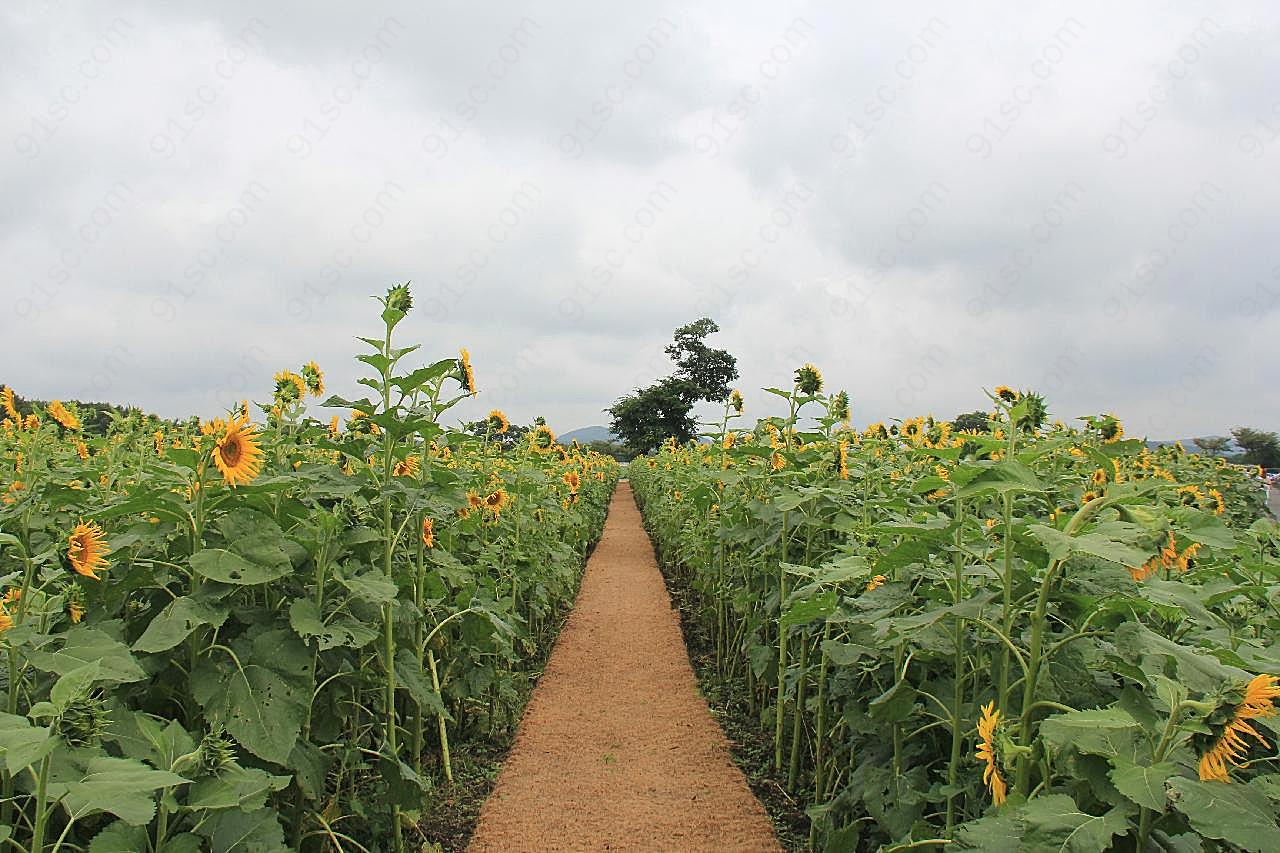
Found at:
(400, 299)
(215, 752)
(84, 721)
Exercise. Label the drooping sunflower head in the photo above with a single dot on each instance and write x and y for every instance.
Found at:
(1226, 744)
(314, 377)
(1034, 412)
(334, 427)
(407, 467)
(777, 461)
(10, 409)
(87, 549)
(360, 424)
(238, 454)
(736, 401)
(428, 533)
(1219, 502)
(876, 582)
(59, 413)
(82, 450)
(290, 387)
(729, 438)
(498, 422)
(988, 752)
(541, 438)
(572, 480)
(496, 501)
(1111, 429)
(842, 459)
(808, 380)
(840, 407)
(466, 376)
(1099, 477)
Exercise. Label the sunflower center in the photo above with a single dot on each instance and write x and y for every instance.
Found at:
(232, 450)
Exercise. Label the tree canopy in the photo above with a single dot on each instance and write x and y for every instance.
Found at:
(647, 417)
(1260, 448)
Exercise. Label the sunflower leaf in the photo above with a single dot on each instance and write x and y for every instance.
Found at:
(226, 567)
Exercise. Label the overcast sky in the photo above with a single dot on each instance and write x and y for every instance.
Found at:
(923, 201)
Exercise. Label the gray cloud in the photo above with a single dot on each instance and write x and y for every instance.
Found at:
(924, 201)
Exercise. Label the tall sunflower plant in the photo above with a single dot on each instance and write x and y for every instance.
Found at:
(1029, 631)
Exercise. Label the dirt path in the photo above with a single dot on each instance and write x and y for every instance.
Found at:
(617, 750)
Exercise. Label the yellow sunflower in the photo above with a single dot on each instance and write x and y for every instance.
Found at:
(6, 397)
(32, 422)
(809, 380)
(496, 501)
(1007, 394)
(876, 582)
(498, 422)
(6, 621)
(82, 450)
(466, 376)
(1100, 477)
(87, 549)
(59, 413)
(408, 467)
(1219, 502)
(237, 453)
(1230, 747)
(842, 459)
(541, 438)
(735, 400)
(572, 480)
(428, 533)
(314, 377)
(333, 427)
(290, 387)
(987, 752)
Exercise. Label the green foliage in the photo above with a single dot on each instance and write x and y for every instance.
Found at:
(1260, 448)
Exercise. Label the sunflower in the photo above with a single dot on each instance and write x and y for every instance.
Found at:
(498, 422)
(840, 407)
(358, 422)
(1219, 503)
(290, 387)
(466, 376)
(158, 439)
(729, 439)
(474, 501)
(842, 459)
(59, 413)
(428, 533)
(572, 480)
(87, 549)
(1006, 394)
(1100, 477)
(1190, 495)
(987, 752)
(1111, 428)
(541, 438)
(82, 450)
(496, 501)
(6, 621)
(735, 400)
(1088, 496)
(1230, 746)
(6, 397)
(314, 377)
(876, 582)
(777, 462)
(32, 422)
(408, 467)
(333, 427)
(809, 380)
(237, 453)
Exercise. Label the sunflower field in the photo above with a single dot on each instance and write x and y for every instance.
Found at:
(1024, 637)
(266, 636)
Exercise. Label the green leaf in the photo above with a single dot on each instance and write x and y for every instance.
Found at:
(1096, 544)
(22, 744)
(894, 705)
(1055, 823)
(802, 611)
(304, 618)
(1199, 672)
(226, 567)
(264, 703)
(243, 788)
(175, 623)
(123, 787)
(1108, 732)
(1142, 784)
(846, 654)
(73, 685)
(410, 678)
(1231, 812)
(119, 837)
(996, 833)
(373, 587)
(1005, 476)
(85, 645)
(234, 831)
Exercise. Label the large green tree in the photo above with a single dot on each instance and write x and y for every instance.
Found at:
(647, 417)
(1260, 448)
(1213, 444)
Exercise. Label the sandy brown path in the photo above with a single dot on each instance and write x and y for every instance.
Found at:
(617, 750)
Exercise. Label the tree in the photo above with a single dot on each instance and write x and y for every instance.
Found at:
(646, 418)
(1212, 444)
(1260, 448)
(971, 420)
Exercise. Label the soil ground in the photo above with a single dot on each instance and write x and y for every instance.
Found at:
(617, 750)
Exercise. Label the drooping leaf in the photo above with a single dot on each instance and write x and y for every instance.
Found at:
(123, 787)
(176, 621)
(85, 645)
(1141, 783)
(1055, 823)
(305, 619)
(1234, 813)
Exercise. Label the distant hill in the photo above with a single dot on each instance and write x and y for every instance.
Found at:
(582, 435)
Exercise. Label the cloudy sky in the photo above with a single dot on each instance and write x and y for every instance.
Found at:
(922, 201)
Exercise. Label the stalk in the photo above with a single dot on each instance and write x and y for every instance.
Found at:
(444, 733)
(957, 695)
(42, 813)
(797, 716)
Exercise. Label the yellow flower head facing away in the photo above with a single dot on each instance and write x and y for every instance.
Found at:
(59, 413)
(466, 376)
(987, 753)
(428, 533)
(87, 549)
(10, 409)
(237, 453)
(809, 380)
(736, 401)
(1231, 747)
(1006, 394)
(498, 422)
(314, 378)
(290, 387)
(408, 467)
(541, 438)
